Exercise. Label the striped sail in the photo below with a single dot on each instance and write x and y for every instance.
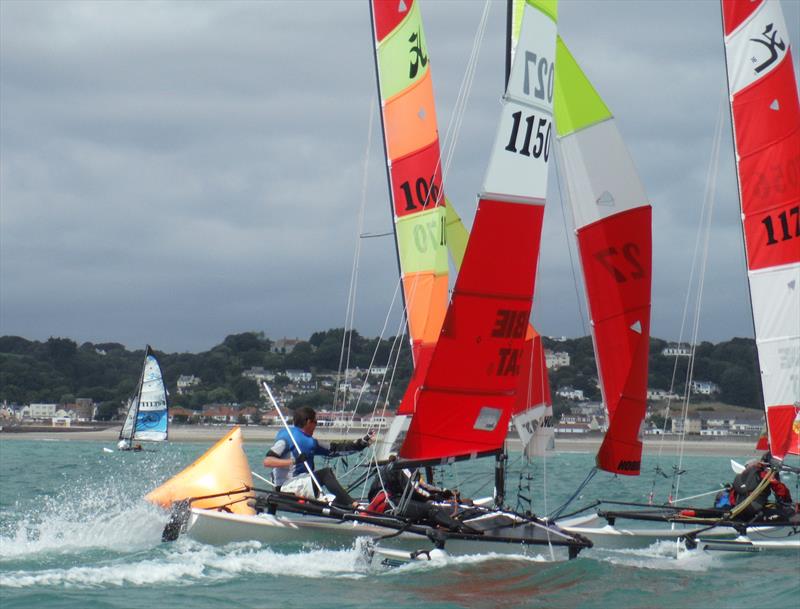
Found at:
(411, 145)
(464, 406)
(147, 409)
(613, 228)
(766, 125)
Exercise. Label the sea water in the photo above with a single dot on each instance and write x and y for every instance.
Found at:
(75, 532)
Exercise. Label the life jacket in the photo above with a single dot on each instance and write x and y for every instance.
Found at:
(379, 503)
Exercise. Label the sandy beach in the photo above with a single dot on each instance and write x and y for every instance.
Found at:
(261, 434)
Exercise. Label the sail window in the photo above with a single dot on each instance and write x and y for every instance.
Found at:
(488, 418)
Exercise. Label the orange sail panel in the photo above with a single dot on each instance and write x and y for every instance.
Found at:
(613, 227)
(464, 405)
(766, 125)
(411, 145)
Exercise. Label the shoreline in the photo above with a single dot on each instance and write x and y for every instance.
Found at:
(261, 434)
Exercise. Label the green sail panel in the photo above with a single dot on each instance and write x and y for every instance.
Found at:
(422, 241)
(403, 55)
(577, 103)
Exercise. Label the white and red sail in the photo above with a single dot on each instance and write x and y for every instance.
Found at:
(613, 227)
(464, 405)
(766, 127)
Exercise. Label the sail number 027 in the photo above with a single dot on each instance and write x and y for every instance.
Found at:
(610, 259)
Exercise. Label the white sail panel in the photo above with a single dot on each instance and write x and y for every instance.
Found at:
(602, 178)
(518, 165)
(745, 60)
(776, 310)
(151, 421)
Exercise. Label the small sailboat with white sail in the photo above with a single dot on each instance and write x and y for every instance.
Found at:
(147, 417)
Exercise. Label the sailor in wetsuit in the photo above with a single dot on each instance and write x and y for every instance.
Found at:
(289, 472)
(745, 483)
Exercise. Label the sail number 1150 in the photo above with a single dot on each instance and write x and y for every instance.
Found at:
(541, 139)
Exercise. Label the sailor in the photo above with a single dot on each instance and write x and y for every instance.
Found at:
(396, 490)
(289, 473)
(746, 482)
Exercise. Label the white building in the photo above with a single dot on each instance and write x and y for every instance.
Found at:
(704, 387)
(555, 359)
(676, 351)
(284, 345)
(258, 374)
(661, 395)
(186, 382)
(378, 370)
(298, 376)
(693, 426)
(42, 411)
(571, 393)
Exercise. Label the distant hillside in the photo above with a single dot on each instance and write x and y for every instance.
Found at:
(59, 370)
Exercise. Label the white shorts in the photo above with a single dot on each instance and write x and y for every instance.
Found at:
(302, 486)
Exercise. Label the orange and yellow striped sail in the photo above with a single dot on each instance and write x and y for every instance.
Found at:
(411, 144)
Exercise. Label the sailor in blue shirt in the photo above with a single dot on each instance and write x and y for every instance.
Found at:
(289, 472)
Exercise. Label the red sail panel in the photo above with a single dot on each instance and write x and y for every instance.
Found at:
(417, 181)
(465, 404)
(616, 257)
(783, 423)
(767, 119)
(734, 12)
(388, 14)
(534, 386)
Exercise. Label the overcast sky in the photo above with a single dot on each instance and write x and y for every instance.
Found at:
(174, 172)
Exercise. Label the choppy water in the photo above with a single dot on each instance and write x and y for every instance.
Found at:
(75, 532)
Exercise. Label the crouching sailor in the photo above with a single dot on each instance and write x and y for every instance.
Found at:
(289, 473)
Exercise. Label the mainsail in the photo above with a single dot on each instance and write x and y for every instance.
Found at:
(466, 400)
(613, 228)
(411, 146)
(533, 409)
(147, 408)
(766, 125)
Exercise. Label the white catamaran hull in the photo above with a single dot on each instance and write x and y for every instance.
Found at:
(219, 528)
(604, 535)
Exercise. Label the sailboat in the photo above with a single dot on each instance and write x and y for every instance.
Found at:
(468, 354)
(766, 121)
(147, 418)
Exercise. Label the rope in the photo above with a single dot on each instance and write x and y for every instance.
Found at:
(580, 488)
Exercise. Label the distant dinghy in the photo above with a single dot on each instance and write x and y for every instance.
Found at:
(147, 418)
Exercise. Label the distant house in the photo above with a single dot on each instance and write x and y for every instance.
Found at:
(571, 393)
(284, 346)
(378, 370)
(258, 374)
(42, 411)
(692, 426)
(661, 395)
(676, 351)
(573, 428)
(298, 376)
(186, 382)
(704, 387)
(555, 359)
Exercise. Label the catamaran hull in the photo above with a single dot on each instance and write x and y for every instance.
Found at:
(604, 535)
(220, 528)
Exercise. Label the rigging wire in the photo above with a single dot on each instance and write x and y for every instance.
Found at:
(705, 228)
(351, 294)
